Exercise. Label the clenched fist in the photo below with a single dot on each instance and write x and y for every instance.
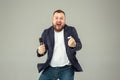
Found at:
(41, 49)
(71, 42)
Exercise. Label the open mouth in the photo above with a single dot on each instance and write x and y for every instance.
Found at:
(59, 24)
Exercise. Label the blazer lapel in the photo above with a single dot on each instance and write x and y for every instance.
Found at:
(51, 34)
(66, 35)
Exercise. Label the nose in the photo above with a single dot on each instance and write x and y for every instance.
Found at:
(59, 20)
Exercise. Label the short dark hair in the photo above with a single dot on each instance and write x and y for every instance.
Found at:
(59, 11)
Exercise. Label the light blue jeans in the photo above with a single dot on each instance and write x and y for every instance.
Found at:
(55, 73)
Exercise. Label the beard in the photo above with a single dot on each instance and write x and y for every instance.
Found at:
(58, 27)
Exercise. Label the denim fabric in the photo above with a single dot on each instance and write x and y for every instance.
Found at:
(55, 73)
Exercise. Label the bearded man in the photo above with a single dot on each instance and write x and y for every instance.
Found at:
(60, 43)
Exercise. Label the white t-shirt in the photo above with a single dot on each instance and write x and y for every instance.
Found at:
(59, 58)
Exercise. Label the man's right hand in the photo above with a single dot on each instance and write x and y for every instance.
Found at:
(41, 49)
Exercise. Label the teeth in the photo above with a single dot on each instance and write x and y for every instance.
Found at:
(58, 24)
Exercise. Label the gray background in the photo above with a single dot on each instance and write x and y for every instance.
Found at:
(97, 23)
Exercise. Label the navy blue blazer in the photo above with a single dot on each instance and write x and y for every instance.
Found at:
(48, 38)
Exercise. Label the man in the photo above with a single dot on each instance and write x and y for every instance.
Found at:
(60, 42)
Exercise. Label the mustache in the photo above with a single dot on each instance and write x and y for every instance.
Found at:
(58, 23)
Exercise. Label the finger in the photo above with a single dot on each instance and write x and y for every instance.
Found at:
(41, 47)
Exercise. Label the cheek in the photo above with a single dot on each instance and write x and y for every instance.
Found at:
(63, 21)
(53, 21)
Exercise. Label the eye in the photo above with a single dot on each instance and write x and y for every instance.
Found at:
(56, 17)
(61, 18)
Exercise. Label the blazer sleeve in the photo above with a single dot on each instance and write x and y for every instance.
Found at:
(77, 39)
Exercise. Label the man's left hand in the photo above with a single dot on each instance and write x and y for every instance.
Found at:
(71, 42)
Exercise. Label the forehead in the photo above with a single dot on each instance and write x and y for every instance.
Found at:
(59, 15)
